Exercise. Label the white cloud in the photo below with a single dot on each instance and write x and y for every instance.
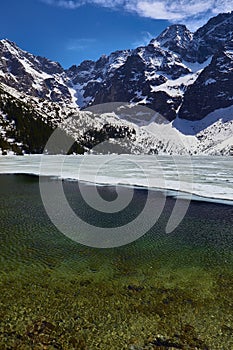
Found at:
(179, 10)
(186, 11)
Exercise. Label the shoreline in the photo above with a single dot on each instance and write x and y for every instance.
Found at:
(168, 192)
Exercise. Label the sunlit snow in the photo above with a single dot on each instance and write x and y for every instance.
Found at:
(206, 177)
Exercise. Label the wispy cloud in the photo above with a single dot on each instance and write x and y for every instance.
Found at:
(69, 4)
(189, 11)
(146, 37)
(79, 44)
(74, 4)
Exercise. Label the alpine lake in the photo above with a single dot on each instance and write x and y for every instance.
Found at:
(163, 291)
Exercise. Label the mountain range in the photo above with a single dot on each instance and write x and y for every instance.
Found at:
(174, 95)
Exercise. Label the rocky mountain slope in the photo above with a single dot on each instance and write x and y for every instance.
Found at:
(166, 74)
(186, 78)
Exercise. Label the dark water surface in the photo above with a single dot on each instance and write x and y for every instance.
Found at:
(164, 291)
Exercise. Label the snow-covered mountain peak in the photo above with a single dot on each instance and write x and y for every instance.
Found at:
(177, 32)
(33, 75)
(180, 75)
(216, 25)
(176, 38)
(9, 49)
(211, 38)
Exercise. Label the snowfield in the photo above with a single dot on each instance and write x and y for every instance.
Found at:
(154, 134)
(211, 135)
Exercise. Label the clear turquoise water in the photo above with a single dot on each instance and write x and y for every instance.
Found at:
(161, 290)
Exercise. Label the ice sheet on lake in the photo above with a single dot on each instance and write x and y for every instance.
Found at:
(205, 177)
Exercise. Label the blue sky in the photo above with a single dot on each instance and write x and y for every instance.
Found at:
(69, 31)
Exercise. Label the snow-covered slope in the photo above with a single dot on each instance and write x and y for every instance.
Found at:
(26, 124)
(184, 78)
(34, 75)
(156, 135)
(177, 73)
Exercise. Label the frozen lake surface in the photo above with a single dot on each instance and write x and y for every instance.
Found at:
(205, 177)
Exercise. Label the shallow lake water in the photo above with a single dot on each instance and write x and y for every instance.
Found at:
(163, 291)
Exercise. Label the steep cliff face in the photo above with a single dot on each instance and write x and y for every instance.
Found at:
(170, 75)
(213, 37)
(33, 75)
(212, 90)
